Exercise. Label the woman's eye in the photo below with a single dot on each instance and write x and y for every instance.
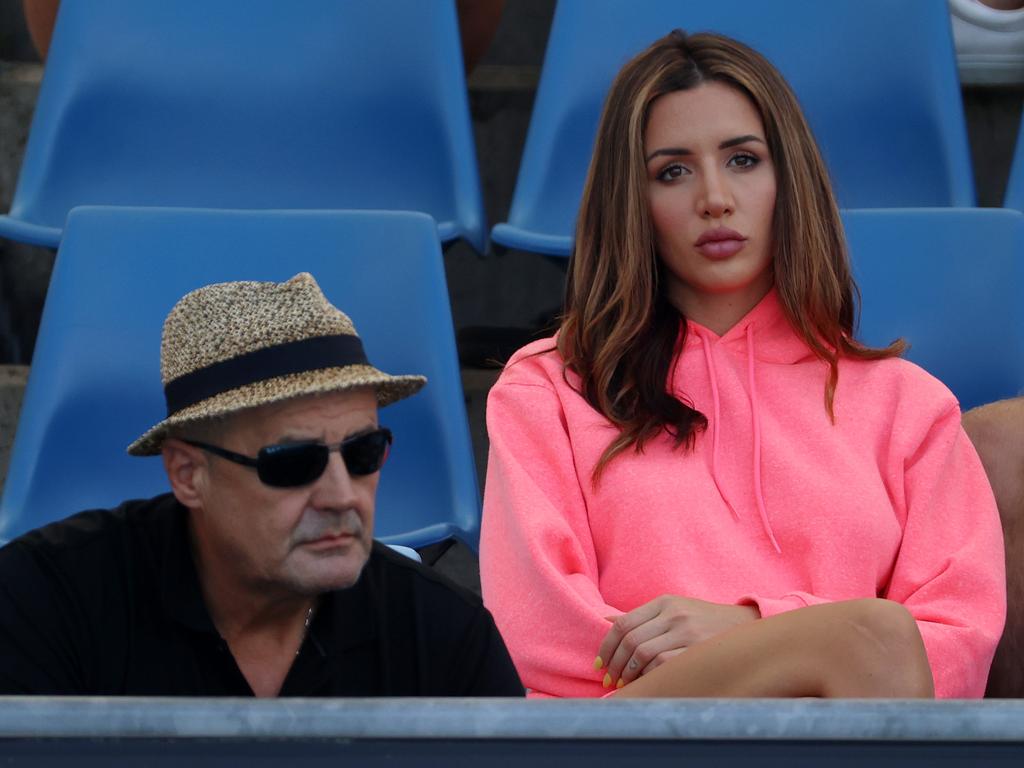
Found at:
(743, 161)
(673, 171)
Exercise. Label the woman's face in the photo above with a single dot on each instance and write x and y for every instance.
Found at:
(711, 189)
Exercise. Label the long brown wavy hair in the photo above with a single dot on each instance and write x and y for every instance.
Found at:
(619, 331)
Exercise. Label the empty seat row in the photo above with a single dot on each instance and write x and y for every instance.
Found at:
(363, 105)
(322, 105)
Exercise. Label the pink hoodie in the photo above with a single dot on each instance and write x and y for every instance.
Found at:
(775, 506)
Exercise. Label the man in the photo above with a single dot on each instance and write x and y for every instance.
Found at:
(258, 575)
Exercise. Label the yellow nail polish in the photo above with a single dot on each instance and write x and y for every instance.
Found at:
(620, 683)
(598, 662)
(607, 680)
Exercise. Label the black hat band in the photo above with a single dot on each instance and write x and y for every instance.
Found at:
(311, 354)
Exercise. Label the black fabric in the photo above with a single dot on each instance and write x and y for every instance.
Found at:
(311, 354)
(108, 603)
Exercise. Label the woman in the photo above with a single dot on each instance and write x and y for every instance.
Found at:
(703, 458)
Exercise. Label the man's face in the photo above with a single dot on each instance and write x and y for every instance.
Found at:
(305, 540)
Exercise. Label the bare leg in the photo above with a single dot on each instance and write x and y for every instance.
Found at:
(997, 431)
(40, 16)
(1004, 5)
(478, 23)
(853, 649)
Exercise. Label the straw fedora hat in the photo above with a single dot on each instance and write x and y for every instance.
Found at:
(232, 346)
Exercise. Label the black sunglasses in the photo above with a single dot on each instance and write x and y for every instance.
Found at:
(290, 465)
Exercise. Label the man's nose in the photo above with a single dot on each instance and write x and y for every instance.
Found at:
(335, 488)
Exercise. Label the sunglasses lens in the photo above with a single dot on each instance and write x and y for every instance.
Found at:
(287, 466)
(365, 455)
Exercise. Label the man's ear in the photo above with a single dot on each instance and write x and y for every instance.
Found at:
(186, 468)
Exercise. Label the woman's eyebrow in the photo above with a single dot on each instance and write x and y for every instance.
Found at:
(681, 151)
(740, 140)
(674, 151)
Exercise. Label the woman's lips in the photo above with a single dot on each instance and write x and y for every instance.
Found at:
(721, 249)
(720, 243)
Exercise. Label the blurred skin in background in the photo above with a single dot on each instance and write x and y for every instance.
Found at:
(39, 18)
(997, 431)
(478, 22)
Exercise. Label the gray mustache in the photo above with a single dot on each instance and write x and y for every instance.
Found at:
(316, 525)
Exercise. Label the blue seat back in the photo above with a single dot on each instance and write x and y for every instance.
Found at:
(950, 282)
(1015, 185)
(877, 80)
(259, 105)
(95, 379)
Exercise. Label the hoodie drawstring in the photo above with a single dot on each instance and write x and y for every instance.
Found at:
(755, 418)
(713, 375)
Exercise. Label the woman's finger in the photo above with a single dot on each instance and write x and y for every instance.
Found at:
(618, 663)
(620, 626)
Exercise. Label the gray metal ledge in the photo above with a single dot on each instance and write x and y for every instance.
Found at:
(509, 719)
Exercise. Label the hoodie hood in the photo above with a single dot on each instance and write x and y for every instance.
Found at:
(777, 341)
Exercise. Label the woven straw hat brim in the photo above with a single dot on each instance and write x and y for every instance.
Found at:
(389, 389)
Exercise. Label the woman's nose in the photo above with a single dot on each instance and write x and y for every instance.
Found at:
(716, 197)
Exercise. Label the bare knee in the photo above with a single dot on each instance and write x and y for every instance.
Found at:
(887, 655)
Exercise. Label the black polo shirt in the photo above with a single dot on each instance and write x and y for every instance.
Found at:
(108, 603)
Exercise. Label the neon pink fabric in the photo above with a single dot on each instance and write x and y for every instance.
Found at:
(775, 506)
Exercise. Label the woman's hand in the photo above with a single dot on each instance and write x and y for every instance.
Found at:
(649, 635)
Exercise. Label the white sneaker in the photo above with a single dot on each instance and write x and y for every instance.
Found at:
(989, 43)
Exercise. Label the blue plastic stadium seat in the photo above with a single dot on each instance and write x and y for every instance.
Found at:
(1015, 186)
(877, 80)
(95, 379)
(950, 282)
(256, 105)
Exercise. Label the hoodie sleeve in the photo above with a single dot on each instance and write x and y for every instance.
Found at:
(538, 569)
(949, 572)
